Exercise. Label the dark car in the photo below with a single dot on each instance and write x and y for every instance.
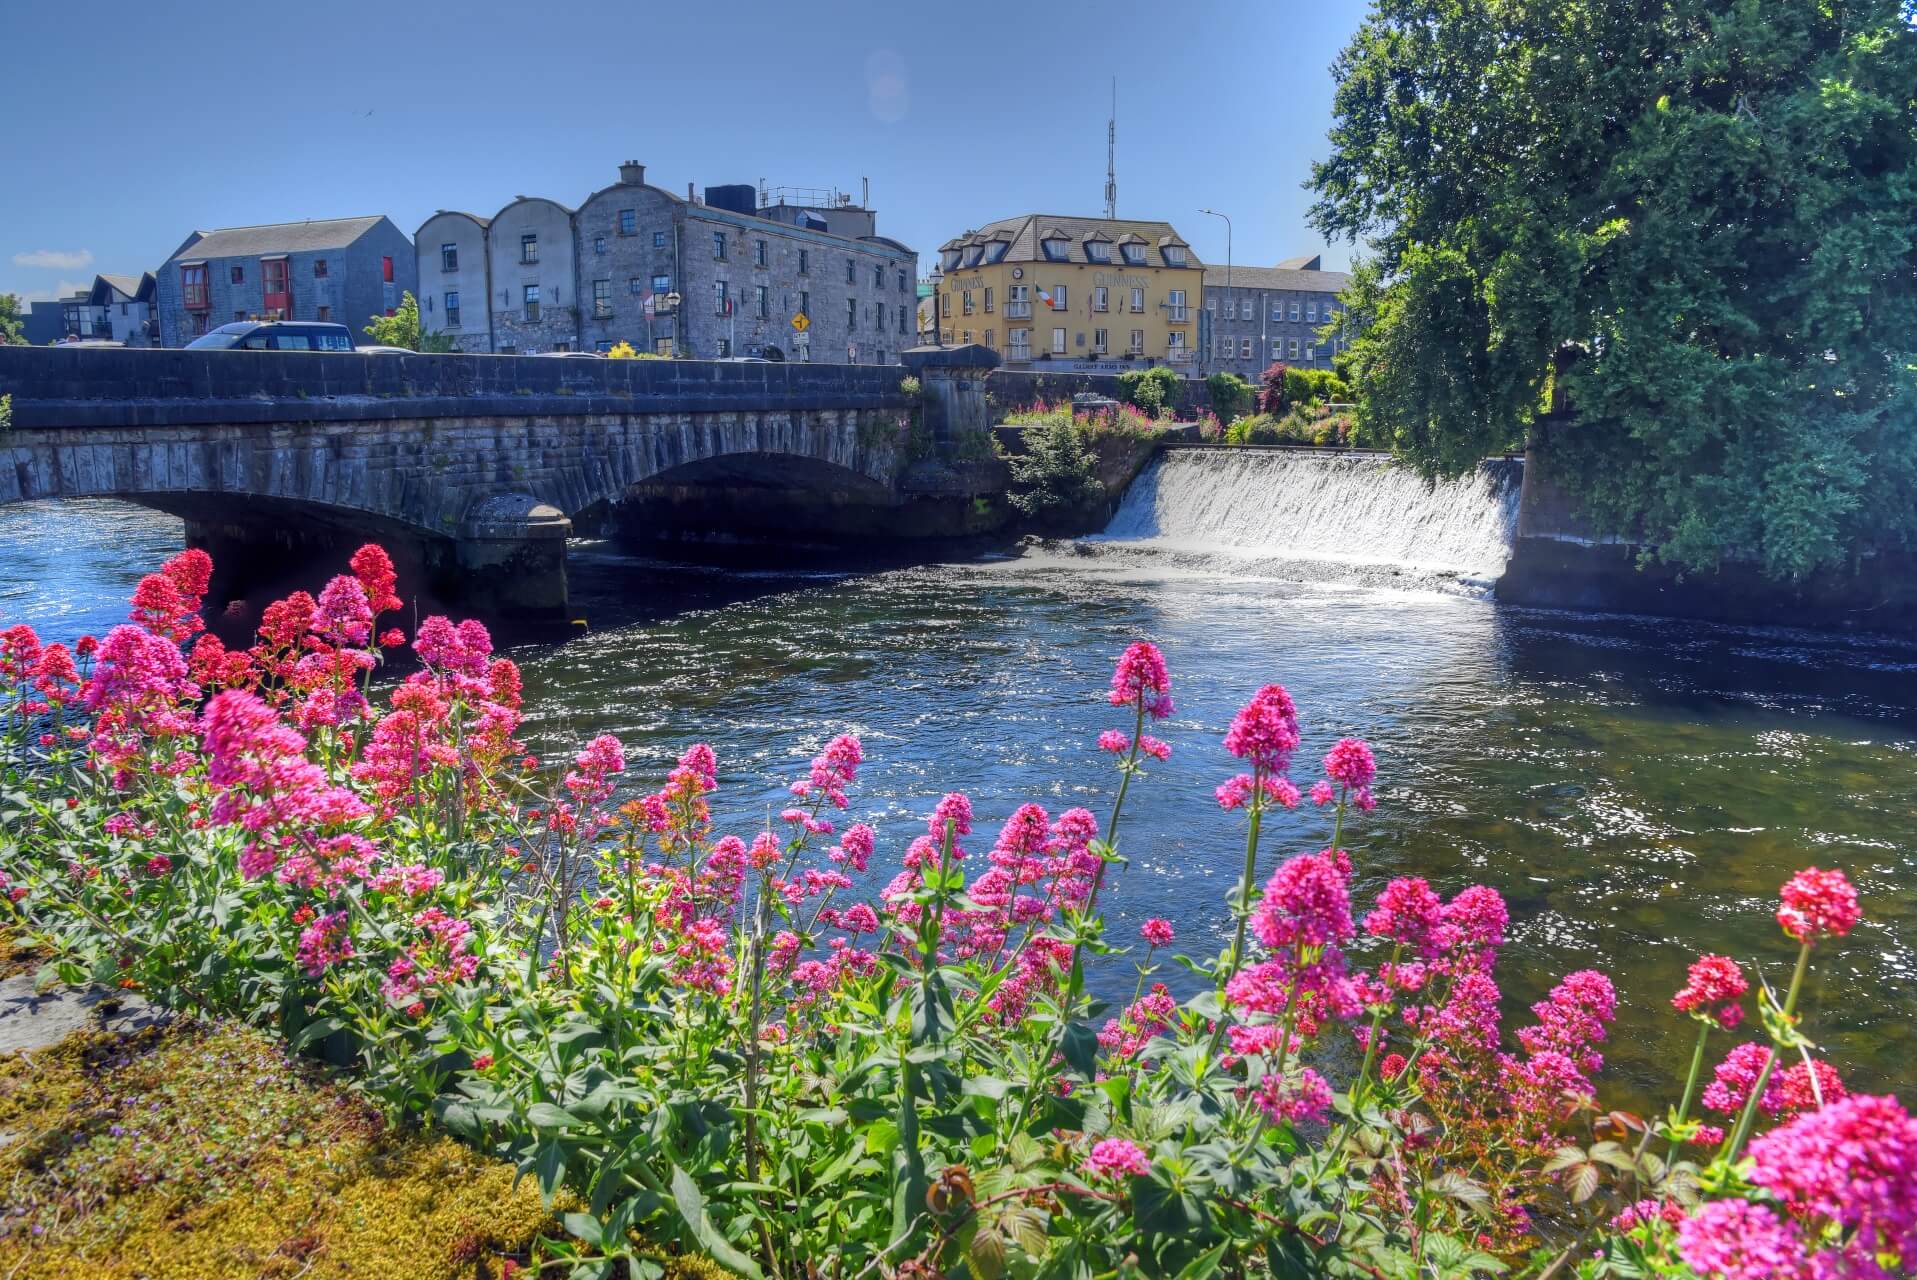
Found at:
(275, 335)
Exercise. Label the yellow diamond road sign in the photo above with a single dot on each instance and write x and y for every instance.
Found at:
(800, 322)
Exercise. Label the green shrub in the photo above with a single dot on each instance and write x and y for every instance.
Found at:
(1152, 390)
(1057, 474)
(1230, 395)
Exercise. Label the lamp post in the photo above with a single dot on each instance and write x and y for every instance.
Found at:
(938, 320)
(672, 305)
(1214, 213)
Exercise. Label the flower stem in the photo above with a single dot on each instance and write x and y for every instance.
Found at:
(1690, 1084)
(1371, 1041)
(1749, 1116)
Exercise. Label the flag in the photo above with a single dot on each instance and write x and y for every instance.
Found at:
(1046, 298)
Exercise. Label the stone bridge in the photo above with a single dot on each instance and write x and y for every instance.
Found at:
(478, 465)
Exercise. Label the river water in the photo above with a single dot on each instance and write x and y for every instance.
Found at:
(1637, 789)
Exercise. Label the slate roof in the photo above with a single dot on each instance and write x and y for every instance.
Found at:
(1027, 230)
(1278, 278)
(279, 237)
(129, 287)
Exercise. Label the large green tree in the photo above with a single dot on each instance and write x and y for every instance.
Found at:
(1693, 219)
(11, 331)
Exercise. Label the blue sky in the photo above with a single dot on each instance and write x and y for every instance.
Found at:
(131, 124)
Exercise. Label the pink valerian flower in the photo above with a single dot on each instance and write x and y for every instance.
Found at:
(1712, 992)
(1265, 730)
(1156, 931)
(1118, 1158)
(590, 782)
(1817, 904)
(1411, 915)
(374, 570)
(1476, 918)
(1854, 1162)
(1301, 1095)
(214, 666)
(1467, 1023)
(1573, 1019)
(1140, 678)
(324, 943)
(854, 848)
(344, 616)
(1154, 748)
(1307, 902)
(413, 881)
(1115, 742)
(1738, 1240)
(463, 647)
(1236, 792)
(158, 865)
(1667, 1211)
(832, 771)
(1323, 793)
(702, 763)
(1350, 764)
(1806, 1086)
(1735, 1077)
(167, 603)
(1148, 1016)
(955, 808)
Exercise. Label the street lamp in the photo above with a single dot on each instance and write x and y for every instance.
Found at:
(672, 304)
(938, 320)
(1214, 213)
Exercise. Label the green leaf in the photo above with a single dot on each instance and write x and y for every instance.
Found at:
(1080, 1048)
(1584, 1183)
(587, 1228)
(544, 1115)
(1205, 1265)
(691, 1204)
(318, 1029)
(549, 1166)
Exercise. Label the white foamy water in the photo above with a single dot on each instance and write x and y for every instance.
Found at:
(1354, 509)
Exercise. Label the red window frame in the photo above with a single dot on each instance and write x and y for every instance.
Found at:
(386, 270)
(277, 272)
(193, 290)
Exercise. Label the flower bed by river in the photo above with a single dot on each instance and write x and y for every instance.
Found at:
(985, 673)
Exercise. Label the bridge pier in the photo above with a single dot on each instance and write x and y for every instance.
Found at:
(511, 557)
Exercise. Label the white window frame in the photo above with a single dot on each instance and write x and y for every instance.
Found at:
(1175, 308)
(1059, 302)
(1137, 346)
(1100, 340)
(1138, 300)
(1311, 313)
(1294, 312)
(1101, 298)
(1294, 348)
(1058, 341)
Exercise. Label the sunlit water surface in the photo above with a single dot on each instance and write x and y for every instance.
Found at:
(1637, 789)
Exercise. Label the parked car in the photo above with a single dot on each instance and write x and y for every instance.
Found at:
(275, 335)
(570, 355)
(386, 351)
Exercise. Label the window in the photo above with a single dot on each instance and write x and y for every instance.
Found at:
(1019, 344)
(326, 313)
(239, 275)
(628, 221)
(1098, 251)
(1101, 299)
(1294, 312)
(1058, 298)
(758, 253)
(903, 318)
(721, 305)
(1277, 348)
(386, 270)
(719, 246)
(805, 262)
(1175, 255)
(452, 309)
(196, 323)
(878, 317)
(1277, 311)
(1138, 342)
(1018, 303)
(949, 259)
(988, 299)
(1175, 344)
(1294, 348)
(635, 286)
(965, 302)
(1057, 249)
(598, 244)
(1134, 255)
(851, 313)
(1138, 300)
(602, 298)
(901, 282)
(764, 301)
(1311, 313)
(1244, 348)
(1058, 342)
(805, 303)
(878, 276)
(529, 247)
(1311, 354)
(530, 297)
(658, 239)
(851, 271)
(1175, 304)
(319, 268)
(1099, 337)
(275, 274)
(237, 316)
(725, 348)
(998, 250)
(662, 284)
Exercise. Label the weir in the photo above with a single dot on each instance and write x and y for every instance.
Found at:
(1360, 509)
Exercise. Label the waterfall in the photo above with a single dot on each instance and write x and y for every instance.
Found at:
(1357, 509)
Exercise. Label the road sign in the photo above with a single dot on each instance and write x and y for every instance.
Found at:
(801, 323)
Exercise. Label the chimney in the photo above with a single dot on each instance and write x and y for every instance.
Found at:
(631, 174)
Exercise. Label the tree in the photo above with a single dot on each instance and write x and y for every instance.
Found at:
(1693, 220)
(1057, 474)
(11, 331)
(1271, 389)
(402, 329)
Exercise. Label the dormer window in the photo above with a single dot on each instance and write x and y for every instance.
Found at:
(1057, 248)
(1098, 251)
(1134, 255)
(974, 255)
(951, 257)
(1175, 255)
(998, 250)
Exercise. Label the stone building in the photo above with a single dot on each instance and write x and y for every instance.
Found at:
(715, 278)
(1073, 293)
(1255, 316)
(346, 270)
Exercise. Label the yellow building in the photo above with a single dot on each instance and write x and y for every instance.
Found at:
(1081, 292)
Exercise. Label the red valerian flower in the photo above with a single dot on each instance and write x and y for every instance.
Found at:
(1817, 904)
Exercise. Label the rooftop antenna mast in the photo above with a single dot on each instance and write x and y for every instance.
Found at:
(1111, 156)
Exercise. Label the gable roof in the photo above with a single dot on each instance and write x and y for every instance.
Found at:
(1277, 278)
(1027, 230)
(133, 288)
(1303, 262)
(279, 237)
